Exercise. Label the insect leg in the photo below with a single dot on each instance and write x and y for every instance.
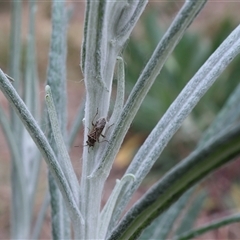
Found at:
(94, 118)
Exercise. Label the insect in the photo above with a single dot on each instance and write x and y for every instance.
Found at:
(96, 132)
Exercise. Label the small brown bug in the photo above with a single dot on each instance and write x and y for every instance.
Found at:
(96, 132)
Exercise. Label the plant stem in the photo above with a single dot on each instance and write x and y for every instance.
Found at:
(209, 227)
(165, 192)
(43, 146)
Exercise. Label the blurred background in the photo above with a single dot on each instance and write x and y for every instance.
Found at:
(210, 28)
